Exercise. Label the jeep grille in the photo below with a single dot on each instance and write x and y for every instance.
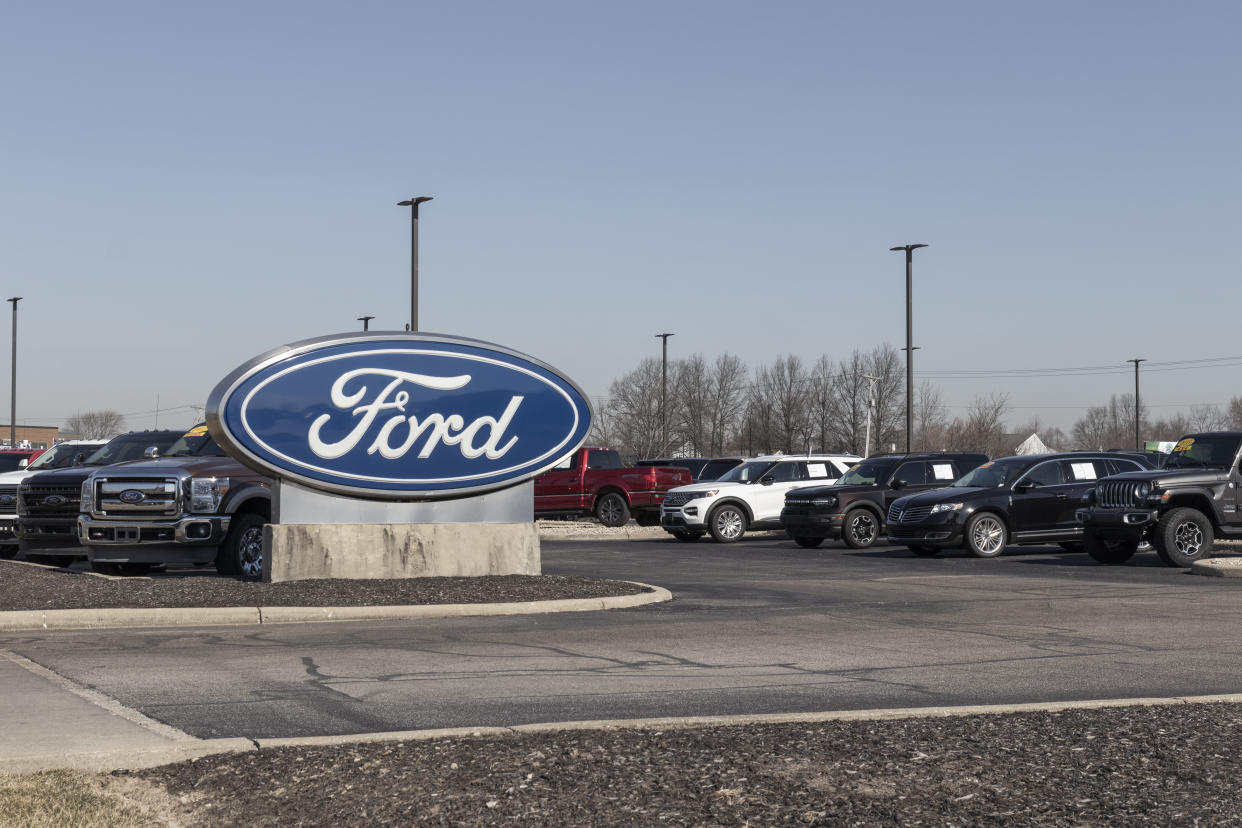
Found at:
(1118, 494)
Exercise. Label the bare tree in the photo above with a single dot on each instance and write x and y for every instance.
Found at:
(983, 428)
(1109, 426)
(709, 400)
(1208, 418)
(930, 418)
(1234, 415)
(785, 386)
(889, 426)
(96, 425)
(633, 411)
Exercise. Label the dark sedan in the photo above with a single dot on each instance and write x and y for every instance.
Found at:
(1014, 500)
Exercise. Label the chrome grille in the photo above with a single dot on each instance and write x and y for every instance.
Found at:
(1117, 494)
(8, 500)
(677, 499)
(34, 500)
(911, 514)
(137, 496)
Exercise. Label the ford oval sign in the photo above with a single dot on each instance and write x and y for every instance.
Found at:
(131, 496)
(405, 416)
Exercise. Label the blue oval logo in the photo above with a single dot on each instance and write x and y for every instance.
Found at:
(398, 416)
(7, 500)
(55, 500)
(131, 496)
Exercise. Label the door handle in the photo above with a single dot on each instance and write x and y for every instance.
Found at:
(1062, 496)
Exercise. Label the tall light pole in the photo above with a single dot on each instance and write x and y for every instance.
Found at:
(870, 412)
(1137, 445)
(413, 205)
(366, 322)
(909, 248)
(664, 393)
(13, 388)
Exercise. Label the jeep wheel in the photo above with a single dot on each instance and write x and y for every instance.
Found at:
(612, 510)
(241, 554)
(687, 537)
(1182, 537)
(861, 529)
(727, 523)
(985, 535)
(809, 543)
(1109, 551)
(925, 551)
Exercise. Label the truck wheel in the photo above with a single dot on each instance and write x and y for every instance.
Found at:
(727, 523)
(612, 510)
(809, 543)
(687, 537)
(1109, 551)
(1182, 536)
(985, 535)
(241, 554)
(860, 529)
(925, 551)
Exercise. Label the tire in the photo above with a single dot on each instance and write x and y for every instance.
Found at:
(860, 529)
(687, 537)
(809, 543)
(986, 535)
(1182, 536)
(727, 523)
(1109, 552)
(241, 554)
(612, 510)
(925, 551)
(7, 552)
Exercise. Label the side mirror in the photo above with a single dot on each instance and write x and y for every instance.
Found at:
(1024, 486)
(767, 480)
(152, 452)
(23, 463)
(897, 484)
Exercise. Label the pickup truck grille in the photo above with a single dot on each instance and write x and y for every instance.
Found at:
(1117, 494)
(8, 500)
(912, 514)
(137, 497)
(50, 500)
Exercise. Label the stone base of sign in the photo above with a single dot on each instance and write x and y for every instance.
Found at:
(302, 551)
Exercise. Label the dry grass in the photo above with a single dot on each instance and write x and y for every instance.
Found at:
(72, 799)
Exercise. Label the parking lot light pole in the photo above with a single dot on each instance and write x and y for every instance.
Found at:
(909, 248)
(664, 393)
(413, 205)
(366, 320)
(13, 387)
(1137, 446)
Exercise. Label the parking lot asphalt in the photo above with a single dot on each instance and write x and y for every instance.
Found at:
(758, 627)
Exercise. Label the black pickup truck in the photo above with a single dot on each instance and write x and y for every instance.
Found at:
(1180, 508)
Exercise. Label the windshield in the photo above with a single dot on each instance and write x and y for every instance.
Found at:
(747, 472)
(994, 473)
(1204, 452)
(195, 443)
(127, 447)
(62, 455)
(868, 473)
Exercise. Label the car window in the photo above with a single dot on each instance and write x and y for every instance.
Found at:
(603, 460)
(1046, 474)
(1119, 465)
(785, 472)
(912, 473)
(1083, 471)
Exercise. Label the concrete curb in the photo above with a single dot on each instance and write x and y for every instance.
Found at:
(78, 619)
(102, 761)
(1218, 567)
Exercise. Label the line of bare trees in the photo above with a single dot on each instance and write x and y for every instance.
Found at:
(723, 408)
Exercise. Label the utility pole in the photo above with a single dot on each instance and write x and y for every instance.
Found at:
(870, 413)
(664, 393)
(909, 248)
(413, 205)
(13, 387)
(1137, 445)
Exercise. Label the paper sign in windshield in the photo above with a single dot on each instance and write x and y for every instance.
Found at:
(942, 471)
(1083, 471)
(817, 469)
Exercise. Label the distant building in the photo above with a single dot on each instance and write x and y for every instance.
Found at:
(39, 437)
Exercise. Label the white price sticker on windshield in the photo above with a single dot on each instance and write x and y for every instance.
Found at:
(942, 471)
(1083, 471)
(817, 469)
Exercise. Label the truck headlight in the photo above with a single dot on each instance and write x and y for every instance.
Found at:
(946, 507)
(708, 493)
(207, 492)
(86, 500)
(830, 500)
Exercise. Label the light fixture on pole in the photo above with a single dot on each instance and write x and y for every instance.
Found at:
(870, 412)
(909, 248)
(664, 393)
(13, 388)
(413, 205)
(366, 322)
(1137, 446)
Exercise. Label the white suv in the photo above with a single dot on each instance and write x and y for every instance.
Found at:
(749, 496)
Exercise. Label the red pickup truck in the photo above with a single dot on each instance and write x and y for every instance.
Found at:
(593, 481)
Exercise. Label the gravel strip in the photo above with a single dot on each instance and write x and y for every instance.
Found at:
(30, 587)
(1171, 765)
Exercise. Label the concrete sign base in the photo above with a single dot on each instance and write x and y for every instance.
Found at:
(301, 551)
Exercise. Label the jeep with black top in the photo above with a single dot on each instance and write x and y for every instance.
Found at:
(1180, 508)
(47, 501)
(193, 505)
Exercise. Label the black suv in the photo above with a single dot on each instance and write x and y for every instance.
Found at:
(1013, 500)
(1179, 507)
(853, 508)
(47, 502)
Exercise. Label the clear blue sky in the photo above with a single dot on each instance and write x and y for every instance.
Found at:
(188, 185)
